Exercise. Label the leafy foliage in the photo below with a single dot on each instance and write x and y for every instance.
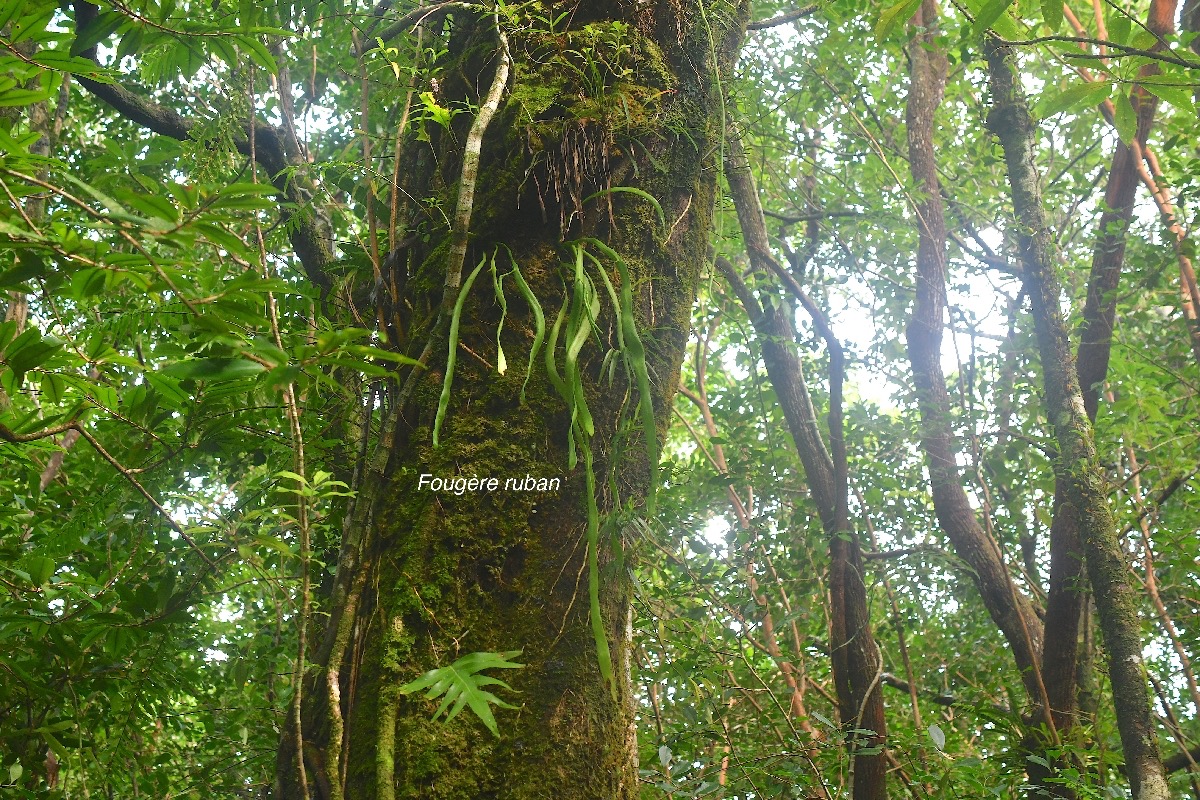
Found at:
(185, 412)
(460, 684)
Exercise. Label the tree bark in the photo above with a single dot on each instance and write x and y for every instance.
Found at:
(1099, 313)
(1065, 602)
(426, 577)
(857, 663)
(1076, 466)
(1009, 609)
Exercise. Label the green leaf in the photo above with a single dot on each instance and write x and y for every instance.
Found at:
(258, 53)
(895, 16)
(1119, 24)
(823, 720)
(988, 15)
(114, 208)
(213, 369)
(30, 350)
(8, 331)
(662, 218)
(1052, 13)
(91, 636)
(22, 97)
(100, 28)
(1077, 95)
(459, 684)
(1143, 39)
(452, 354)
(1181, 98)
(61, 61)
(40, 568)
(131, 42)
(9, 10)
(53, 387)
(168, 390)
(1125, 119)
(55, 745)
(88, 283)
(29, 265)
(937, 736)
(367, 351)
(1003, 25)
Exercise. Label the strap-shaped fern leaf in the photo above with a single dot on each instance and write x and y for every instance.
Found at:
(461, 684)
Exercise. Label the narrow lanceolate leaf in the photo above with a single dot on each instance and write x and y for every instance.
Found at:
(22, 97)
(1178, 96)
(894, 16)
(635, 353)
(214, 369)
(452, 352)
(539, 319)
(990, 15)
(99, 29)
(1125, 119)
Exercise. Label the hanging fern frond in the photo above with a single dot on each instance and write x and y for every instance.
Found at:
(452, 352)
(635, 356)
(539, 319)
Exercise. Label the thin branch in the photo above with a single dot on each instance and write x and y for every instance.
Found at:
(791, 219)
(1126, 50)
(415, 19)
(783, 19)
(310, 242)
(127, 475)
(947, 700)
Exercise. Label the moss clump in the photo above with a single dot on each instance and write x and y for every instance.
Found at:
(606, 73)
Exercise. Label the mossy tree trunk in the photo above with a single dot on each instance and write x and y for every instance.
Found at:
(618, 94)
(1077, 466)
(1009, 608)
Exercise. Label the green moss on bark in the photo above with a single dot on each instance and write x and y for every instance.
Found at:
(449, 575)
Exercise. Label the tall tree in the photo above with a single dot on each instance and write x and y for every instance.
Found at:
(856, 658)
(295, 280)
(595, 171)
(1077, 465)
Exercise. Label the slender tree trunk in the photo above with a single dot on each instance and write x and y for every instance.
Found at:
(1077, 465)
(1065, 601)
(857, 663)
(1008, 607)
(426, 577)
(1099, 313)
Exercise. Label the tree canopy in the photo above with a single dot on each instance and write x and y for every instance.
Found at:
(835, 369)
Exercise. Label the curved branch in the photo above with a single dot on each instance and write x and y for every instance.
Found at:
(410, 21)
(8, 435)
(309, 234)
(783, 19)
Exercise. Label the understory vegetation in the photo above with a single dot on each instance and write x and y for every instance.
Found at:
(610, 400)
